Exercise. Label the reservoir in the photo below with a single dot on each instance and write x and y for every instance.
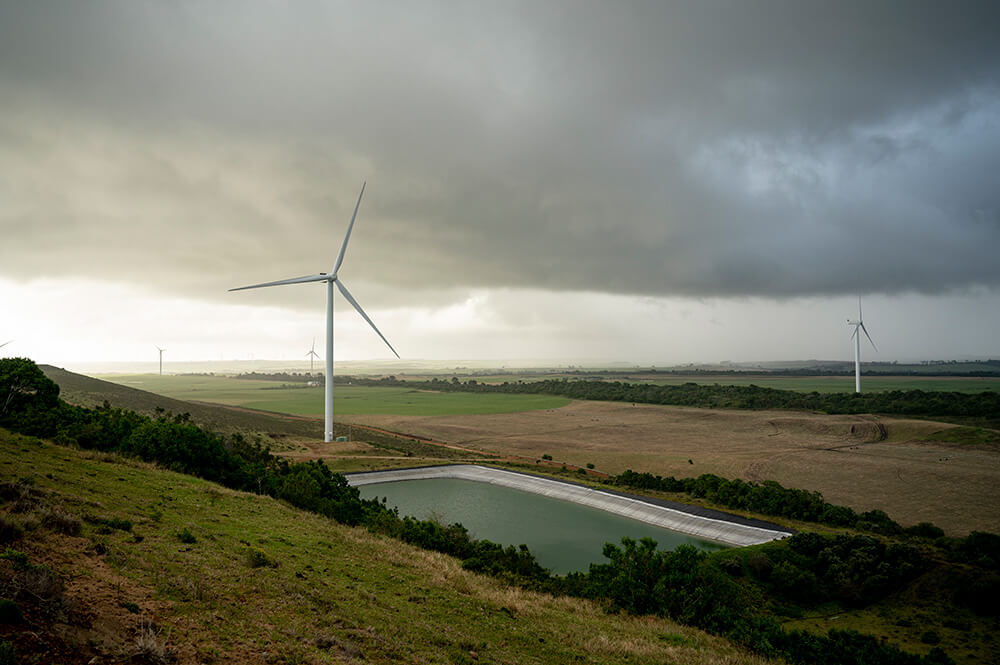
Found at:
(563, 536)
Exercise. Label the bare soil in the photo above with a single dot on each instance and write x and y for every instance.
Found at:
(861, 461)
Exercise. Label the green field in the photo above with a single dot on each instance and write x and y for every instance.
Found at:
(842, 384)
(348, 400)
(806, 384)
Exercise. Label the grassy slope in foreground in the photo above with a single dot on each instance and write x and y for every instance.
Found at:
(335, 593)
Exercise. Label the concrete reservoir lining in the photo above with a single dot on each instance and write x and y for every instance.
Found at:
(719, 530)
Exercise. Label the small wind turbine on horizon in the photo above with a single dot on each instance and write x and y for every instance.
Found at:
(330, 279)
(161, 358)
(859, 324)
(312, 355)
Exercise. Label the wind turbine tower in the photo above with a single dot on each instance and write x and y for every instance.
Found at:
(859, 324)
(161, 358)
(330, 279)
(312, 355)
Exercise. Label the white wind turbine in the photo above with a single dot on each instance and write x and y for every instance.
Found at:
(161, 358)
(330, 279)
(859, 324)
(312, 355)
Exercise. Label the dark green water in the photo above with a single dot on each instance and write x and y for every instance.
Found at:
(563, 536)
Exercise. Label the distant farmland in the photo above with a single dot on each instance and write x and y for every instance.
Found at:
(806, 384)
(348, 400)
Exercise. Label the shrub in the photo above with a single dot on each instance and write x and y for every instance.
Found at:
(257, 558)
(590, 465)
(731, 566)
(61, 521)
(185, 536)
(8, 656)
(760, 565)
(925, 530)
(547, 457)
(9, 531)
(930, 637)
(16, 557)
(10, 612)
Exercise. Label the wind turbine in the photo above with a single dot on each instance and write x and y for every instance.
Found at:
(161, 358)
(312, 355)
(330, 279)
(857, 346)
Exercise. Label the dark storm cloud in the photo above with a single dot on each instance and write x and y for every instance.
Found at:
(699, 148)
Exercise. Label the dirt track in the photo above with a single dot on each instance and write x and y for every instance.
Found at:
(861, 461)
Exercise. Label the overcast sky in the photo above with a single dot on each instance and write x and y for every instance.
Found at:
(656, 182)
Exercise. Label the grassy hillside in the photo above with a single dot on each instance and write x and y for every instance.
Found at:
(120, 560)
(88, 391)
(288, 434)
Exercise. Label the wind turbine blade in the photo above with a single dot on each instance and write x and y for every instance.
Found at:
(350, 299)
(6, 343)
(869, 337)
(860, 318)
(321, 277)
(350, 227)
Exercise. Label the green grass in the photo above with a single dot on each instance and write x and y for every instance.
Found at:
(833, 384)
(348, 400)
(967, 436)
(262, 578)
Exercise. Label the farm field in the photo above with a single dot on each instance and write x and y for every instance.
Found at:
(806, 384)
(866, 462)
(348, 400)
(862, 461)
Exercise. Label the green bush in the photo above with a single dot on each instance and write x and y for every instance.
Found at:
(16, 557)
(930, 637)
(61, 521)
(9, 531)
(185, 536)
(257, 558)
(8, 655)
(10, 612)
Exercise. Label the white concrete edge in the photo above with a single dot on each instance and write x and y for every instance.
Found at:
(718, 530)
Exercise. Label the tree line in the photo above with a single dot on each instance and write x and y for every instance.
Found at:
(983, 406)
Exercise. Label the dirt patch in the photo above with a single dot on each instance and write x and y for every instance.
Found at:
(860, 461)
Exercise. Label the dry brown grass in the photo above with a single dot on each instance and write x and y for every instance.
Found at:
(861, 461)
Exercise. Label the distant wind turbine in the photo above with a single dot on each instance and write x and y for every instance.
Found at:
(859, 324)
(312, 355)
(161, 358)
(330, 279)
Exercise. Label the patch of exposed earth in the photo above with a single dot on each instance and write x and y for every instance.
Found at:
(860, 461)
